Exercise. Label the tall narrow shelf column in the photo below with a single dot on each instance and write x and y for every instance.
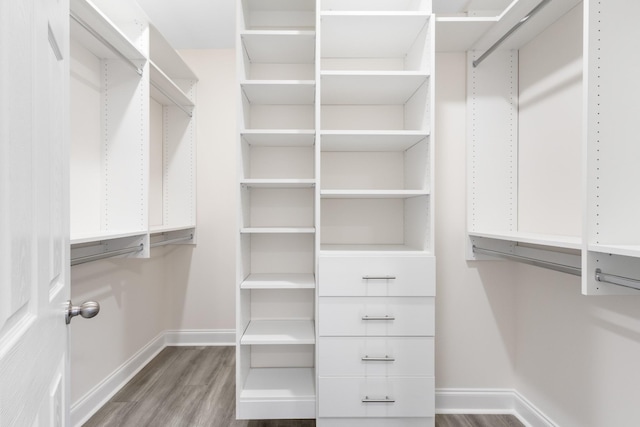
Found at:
(276, 282)
(376, 289)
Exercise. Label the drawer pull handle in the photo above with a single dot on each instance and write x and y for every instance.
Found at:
(378, 359)
(386, 399)
(379, 277)
(386, 317)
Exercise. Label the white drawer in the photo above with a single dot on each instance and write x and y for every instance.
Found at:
(376, 316)
(376, 356)
(376, 397)
(377, 276)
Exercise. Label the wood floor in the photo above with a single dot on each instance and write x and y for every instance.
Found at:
(195, 387)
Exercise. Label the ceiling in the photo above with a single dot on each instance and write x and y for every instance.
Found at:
(210, 24)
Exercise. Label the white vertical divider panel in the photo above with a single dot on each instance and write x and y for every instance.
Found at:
(125, 155)
(492, 144)
(612, 150)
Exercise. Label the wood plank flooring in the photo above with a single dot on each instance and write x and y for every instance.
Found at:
(195, 387)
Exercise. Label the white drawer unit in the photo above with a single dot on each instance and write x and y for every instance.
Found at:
(376, 397)
(377, 275)
(376, 356)
(376, 316)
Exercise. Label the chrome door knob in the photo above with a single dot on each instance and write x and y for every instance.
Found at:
(87, 310)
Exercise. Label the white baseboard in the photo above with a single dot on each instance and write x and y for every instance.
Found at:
(89, 404)
(84, 408)
(490, 401)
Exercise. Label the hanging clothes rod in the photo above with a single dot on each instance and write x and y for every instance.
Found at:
(105, 42)
(531, 261)
(617, 280)
(513, 29)
(170, 241)
(108, 254)
(173, 101)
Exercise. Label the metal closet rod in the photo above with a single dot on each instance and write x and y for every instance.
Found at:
(170, 241)
(107, 254)
(105, 42)
(173, 101)
(617, 280)
(513, 29)
(531, 261)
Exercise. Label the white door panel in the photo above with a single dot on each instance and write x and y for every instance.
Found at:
(34, 260)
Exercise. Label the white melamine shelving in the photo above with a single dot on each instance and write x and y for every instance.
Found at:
(130, 179)
(109, 186)
(376, 141)
(287, 92)
(279, 384)
(376, 173)
(562, 242)
(279, 332)
(277, 204)
(279, 281)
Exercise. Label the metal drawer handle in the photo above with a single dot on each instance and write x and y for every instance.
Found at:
(379, 277)
(386, 317)
(385, 400)
(378, 359)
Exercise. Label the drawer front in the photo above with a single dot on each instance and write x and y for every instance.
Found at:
(377, 276)
(376, 356)
(376, 316)
(376, 397)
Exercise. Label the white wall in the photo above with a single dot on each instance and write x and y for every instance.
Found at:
(201, 280)
(475, 303)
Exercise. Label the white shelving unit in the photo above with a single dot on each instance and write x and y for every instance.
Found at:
(173, 142)
(277, 187)
(593, 136)
(122, 161)
(109, 185)
(376, 208)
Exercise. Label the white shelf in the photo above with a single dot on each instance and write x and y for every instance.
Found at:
(166, 57)
(370, 140)
(277, 230)
(377, 5)
(371, 194)
(283, 92)
(279, 281)
(369, 88)
(359, 35)
(459, 34)
(97, 22)
(565, 242)
(278, 183)
(623, 250)
(158, 229)
(104, 235)
(279, 47)
(279, 137)
(329, 249)
(279, 332)
(279, 384)
(165, 91)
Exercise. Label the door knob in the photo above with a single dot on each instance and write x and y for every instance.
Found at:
(87, 310)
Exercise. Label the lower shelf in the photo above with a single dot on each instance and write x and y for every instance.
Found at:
(278, 393)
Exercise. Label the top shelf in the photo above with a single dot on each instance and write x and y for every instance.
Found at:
(377, 5)
(166, 58)
(475, 33)
(96, 32)
(277, 14)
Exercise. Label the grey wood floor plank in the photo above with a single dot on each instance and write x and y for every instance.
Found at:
(195, 387)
